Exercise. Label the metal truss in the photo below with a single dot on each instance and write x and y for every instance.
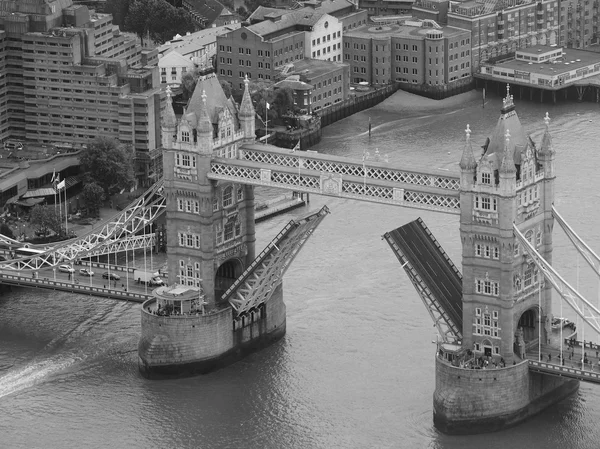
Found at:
(590, 256)
(448, 330)
(257, 283)
(125, 244)
(585, 309)
(123, 226)
(270, 156)
(335, 184)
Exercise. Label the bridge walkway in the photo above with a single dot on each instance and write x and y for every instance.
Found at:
(428, 265)
(571, 367)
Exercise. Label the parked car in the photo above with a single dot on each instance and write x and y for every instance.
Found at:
(111, 276)
(86, 272)
(66, 269)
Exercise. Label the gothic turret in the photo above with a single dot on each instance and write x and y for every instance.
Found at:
(508, 171)
(169, 123)
(204, 128)
(246, 115)
(467, 163)
(546, 153)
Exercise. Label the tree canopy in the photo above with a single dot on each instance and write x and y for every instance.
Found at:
(92, 196)
(108, 164)
(280, 100)
(46, 219)
(155, 18)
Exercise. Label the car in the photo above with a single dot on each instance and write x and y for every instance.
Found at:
(111, 276)
(156, 282)
(86, 272)
(66, 269)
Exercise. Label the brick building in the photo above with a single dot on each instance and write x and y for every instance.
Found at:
(418, 52)
(278, 38)
(497, 27)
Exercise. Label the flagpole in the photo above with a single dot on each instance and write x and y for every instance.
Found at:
(66, 212)
(59, 202)
(267, 123)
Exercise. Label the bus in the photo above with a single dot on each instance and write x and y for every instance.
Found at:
(31, 252)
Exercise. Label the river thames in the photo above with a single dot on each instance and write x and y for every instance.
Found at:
(356, 368)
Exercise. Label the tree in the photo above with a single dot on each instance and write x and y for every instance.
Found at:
(108, 164)
(227, 88)
(242, 12)
(92, 196)
(46, 219)
(6, 231)
(119, 10)
(157, 19)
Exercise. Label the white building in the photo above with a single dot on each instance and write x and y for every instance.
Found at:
(324, 41)
(172, 67)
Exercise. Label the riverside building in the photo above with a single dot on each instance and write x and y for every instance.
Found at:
(417, 52)
(278, 38)
(70, 76)
(497, 27)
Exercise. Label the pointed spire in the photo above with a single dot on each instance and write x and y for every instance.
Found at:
(246, 108)
(508, 163)
(507, 103)
(169, 119)
(467, 162)
(546, 147)
(204, 123)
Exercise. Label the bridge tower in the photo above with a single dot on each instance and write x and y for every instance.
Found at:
(505, 304)
(210, 231)
(512, 182)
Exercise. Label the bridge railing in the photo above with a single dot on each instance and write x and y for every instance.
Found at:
(373, 169)
(73, 287)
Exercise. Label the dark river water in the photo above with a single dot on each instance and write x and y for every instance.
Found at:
(356, 368)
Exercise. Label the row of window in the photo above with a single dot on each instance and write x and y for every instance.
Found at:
(326, 50)
(528, 195)
(184, 159)
(188, 240)
(228, 232)
(487, 251)
(227, 197)
(189, 206)
(189, 274)
(486, 203)
(326, 38)
(487, 287)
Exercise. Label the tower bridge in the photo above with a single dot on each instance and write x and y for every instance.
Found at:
(222, 301)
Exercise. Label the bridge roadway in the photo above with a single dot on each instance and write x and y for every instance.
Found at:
(124, 289)
(571, 367)
(433, 266)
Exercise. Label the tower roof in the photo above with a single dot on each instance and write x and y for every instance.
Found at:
(246, 107)
(169, 119)
(216, 99)
(467, 162)
(546, 147)
(508, 121)
(508, 163)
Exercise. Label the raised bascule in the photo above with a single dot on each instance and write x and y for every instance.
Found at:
(222, 300)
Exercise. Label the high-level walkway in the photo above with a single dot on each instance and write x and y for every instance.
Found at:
(432, 272)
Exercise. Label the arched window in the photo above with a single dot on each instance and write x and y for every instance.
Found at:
(228, 196)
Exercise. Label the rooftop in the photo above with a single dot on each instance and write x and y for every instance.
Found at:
(316, 67)
(194, 41)
(412, 28)
(572, 59)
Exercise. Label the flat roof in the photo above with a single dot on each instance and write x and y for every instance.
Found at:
(316, 67)
(374, 31)
(572, 59)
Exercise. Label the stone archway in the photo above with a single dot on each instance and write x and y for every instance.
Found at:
(528, 322)
(226, 275)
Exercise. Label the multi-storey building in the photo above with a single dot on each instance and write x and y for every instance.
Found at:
(497, 27)
(71, 76)
(418, 52)
(386, 7)
(578, 23)
(278, 38)
(318, 84)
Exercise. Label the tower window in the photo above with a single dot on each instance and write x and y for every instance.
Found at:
(486, 178)
(185, 136)
(228, 196)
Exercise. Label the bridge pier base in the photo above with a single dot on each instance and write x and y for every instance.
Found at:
(468, 401)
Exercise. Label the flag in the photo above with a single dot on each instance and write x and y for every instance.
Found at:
(296, 147)
(268, 105)
(61, 185)
(53, 175)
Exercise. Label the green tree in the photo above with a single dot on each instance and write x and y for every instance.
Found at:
(45, 219)
(92, 196)
(227, 88)
(119, 10)
(157, 19)
(6, 231)
(108, 164)
(261, 93)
